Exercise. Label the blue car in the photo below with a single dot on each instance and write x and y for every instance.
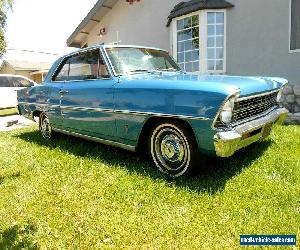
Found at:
(138, 98)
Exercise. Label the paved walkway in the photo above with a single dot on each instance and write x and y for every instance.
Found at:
(11, 122)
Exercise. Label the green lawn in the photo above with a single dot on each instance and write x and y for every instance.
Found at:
(10, 111)
(75, 194)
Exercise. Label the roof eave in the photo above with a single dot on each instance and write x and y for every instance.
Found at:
(178, 7)
(83, 23)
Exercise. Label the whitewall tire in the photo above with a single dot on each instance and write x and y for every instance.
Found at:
(172, 148)
(45, 127)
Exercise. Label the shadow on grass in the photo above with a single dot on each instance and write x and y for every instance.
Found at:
(18, 237)
(10, 176)
(210, 178)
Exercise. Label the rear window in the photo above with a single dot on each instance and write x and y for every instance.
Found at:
(4, 82)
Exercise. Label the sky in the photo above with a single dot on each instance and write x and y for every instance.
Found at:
(43, 25)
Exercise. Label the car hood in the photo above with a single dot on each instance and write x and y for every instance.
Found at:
(216, 83)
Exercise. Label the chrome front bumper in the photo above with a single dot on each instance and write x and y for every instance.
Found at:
(228, 142)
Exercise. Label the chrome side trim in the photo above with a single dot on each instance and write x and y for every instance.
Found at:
(39, 104)
(91, 138)
(125, 112)
(130, 112)
(87, 109)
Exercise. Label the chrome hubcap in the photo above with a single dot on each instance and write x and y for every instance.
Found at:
(172, 149)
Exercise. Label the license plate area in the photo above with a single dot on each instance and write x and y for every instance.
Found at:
(252, 133)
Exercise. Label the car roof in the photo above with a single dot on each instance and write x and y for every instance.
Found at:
(105, 46)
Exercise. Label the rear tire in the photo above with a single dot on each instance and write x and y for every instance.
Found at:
(173, 148)
(45, 127)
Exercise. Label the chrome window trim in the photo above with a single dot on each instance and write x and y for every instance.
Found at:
(95, 139)
(125, 112)
(67, 57)
(105, 47)
(108, 61)
(56, 71)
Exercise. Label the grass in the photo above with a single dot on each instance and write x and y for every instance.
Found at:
(74, 194)
(10, 111)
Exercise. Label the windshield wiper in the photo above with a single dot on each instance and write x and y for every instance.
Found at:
(139, 70)
(154, 70)
(168, 69)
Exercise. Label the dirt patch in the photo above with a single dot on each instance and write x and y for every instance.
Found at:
(11, 122)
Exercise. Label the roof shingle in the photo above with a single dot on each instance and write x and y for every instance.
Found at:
(184, 8)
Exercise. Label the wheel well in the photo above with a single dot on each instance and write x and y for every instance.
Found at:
(152, 121)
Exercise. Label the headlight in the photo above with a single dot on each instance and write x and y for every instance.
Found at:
(279, 95)
(227, 110)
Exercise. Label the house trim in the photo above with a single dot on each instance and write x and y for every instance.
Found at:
(290, 30)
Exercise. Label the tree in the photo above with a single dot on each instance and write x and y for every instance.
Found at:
(5, 5)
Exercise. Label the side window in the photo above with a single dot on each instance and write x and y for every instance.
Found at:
(63, 72)
(84, 66)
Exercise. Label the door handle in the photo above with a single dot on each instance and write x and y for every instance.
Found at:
(63, 92)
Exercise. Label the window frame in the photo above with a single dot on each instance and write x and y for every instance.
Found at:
(290, 30)
(203, 67)
(62, 63)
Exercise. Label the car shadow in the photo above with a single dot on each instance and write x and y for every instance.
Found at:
(18, 237)
(210, 177)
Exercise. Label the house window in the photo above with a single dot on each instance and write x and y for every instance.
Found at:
(199, 41)
(295, 25)
(188, 43)
(215, 41)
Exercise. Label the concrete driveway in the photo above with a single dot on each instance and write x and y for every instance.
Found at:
(11, 122)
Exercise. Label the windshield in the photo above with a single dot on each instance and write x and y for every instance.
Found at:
(135, 60)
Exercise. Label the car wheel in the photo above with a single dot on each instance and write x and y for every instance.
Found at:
(45, 127)
(172, 148)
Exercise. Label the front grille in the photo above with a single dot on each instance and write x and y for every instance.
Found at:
(251, 107)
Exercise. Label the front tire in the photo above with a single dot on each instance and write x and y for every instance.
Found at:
(172, 148)
(45, 127)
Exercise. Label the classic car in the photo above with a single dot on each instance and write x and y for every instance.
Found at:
(9, 84)
(138, 98)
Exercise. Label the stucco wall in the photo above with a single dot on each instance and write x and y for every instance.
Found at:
(258, 40)
(142, 23)
(257, 34)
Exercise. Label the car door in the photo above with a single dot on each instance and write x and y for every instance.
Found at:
(49, 94)
(87, 97)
